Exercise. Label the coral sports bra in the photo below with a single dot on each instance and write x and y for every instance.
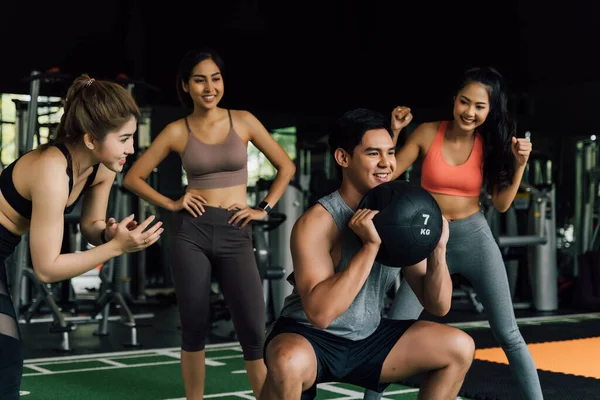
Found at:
(465, 180)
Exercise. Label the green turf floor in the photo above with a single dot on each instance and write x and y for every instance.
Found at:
(154, 374)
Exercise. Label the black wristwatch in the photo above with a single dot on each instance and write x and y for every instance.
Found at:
(265, 207)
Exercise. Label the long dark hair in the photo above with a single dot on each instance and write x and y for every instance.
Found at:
(497, 130)
(186, 67)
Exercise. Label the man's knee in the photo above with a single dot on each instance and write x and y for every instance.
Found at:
(288, 359)
(463, 349)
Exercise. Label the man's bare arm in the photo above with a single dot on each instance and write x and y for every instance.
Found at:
(325, 294)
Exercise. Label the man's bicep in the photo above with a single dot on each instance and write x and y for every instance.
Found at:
(414, 276)
(311, 256)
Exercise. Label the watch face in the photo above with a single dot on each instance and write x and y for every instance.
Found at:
(265, 206)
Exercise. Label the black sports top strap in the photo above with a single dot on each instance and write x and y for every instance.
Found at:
(92, 176)
(88, 182)
(22, 205)
(63, 148)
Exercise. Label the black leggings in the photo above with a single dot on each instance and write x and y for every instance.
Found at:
(11, 348)
(201, 245)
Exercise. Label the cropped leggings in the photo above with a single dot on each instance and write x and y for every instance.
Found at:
(201, 246)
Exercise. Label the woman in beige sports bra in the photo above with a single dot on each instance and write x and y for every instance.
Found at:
(211, 230)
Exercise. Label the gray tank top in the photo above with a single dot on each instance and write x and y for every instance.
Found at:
(364, 314)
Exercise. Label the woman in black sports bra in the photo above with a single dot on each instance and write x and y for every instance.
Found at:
(93, 139)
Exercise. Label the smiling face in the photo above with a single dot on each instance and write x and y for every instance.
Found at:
(205, 85)
(372, 161)
(113, 150)
(471, 106)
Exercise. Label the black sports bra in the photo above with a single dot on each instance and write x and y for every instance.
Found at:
(21, 204)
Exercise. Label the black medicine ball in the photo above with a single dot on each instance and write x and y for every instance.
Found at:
(409, 222)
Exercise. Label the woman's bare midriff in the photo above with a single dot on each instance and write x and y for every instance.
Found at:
(455, 207)
(222, 197)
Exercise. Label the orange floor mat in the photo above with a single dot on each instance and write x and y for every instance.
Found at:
(576, 357)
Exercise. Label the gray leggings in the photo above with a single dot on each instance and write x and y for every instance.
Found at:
(473, 253)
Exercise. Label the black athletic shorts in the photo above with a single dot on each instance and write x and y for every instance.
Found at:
(342, 360)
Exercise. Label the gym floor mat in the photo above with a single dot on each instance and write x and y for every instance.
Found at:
(579, 357)
(566, 351)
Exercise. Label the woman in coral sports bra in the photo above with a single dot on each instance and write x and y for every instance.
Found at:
(210, 228)
(478, 146)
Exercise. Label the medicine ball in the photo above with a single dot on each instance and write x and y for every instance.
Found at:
(409, 222)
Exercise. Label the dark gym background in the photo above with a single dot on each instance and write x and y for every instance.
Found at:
(307, 62)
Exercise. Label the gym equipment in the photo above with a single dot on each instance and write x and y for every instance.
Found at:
(291, 205)
(58, 323)
(35, 79)
(540, 241)
(268, 271)
(316, 172)
(587, 177)
(409, 222)
(109, 290)
(21, 117)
